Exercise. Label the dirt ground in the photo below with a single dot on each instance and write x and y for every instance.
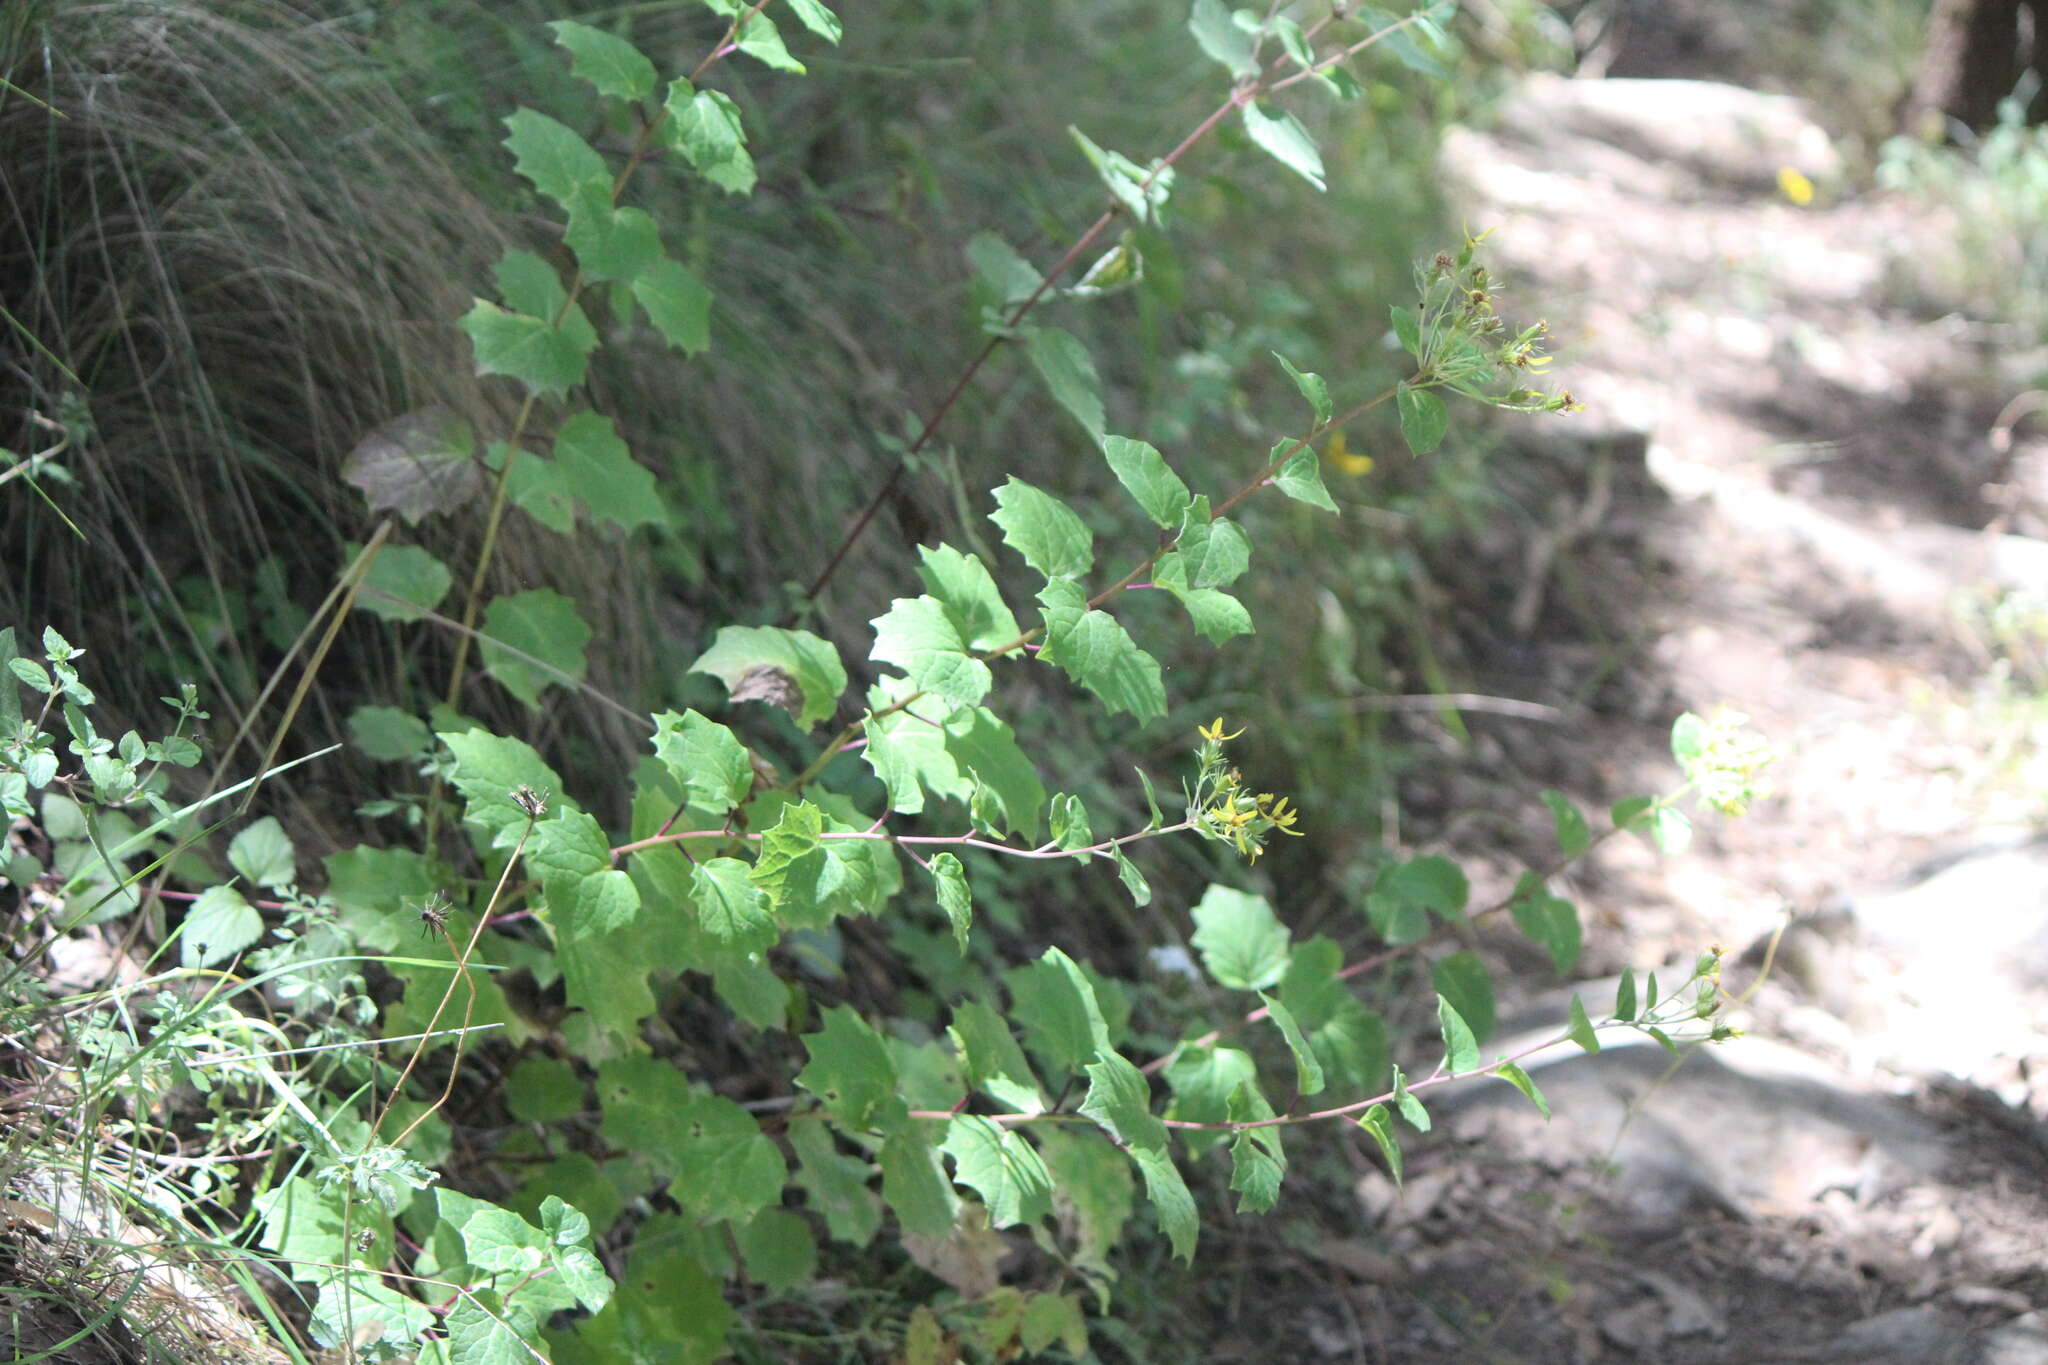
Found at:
(1783, 497)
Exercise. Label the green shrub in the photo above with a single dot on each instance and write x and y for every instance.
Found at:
(793, 1003)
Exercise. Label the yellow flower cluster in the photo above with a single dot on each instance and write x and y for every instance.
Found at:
(1224, 809)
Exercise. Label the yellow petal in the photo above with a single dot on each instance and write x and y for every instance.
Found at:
(1795, 186)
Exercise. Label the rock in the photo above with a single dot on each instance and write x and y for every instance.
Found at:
(1721, 135)
(2023, 1341)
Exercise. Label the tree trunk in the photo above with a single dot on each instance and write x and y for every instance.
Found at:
(1972, 58)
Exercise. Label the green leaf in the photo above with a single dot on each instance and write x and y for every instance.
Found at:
(704, 125)
(991, 1059)
(814, 15)
(1311, 387)
(1069, 372)
(972, 601)
(569, 1254)
(263, 854)
(719, 1162)
(1144, 473)
(386, 734)
(1625, 997)
(1093, 649)
(1154, 820)
(1055, 1002)
(566, 849)
(1287, 141)
(219, 925)
(914, 1185)
(1120, 1102)
(677, 303)
(835, 1185)
(1580, 1028)
(792, 867)
(851, 1073)
(1353, 1047)
(488, 770)
(1424, 418)
(985, 751)
(1070, 823)
(537, 487)
(610, 243)
(543, 1090)
(730, 907)
(1308, 1072)
(532, 641)
(954, 896)
(546, 358)
(1670, 830)
(1407, 331)
(1552, 923)
(1628, 813)
(1203, 1080)
(1461, 1053)
(604, 475)
(1127, 872)
(1258, 1162)
(1409, 1107)
(778, 1250)
(1171, 1202)
(705, 758)
(809, 662)
(1126, 180)
(1215, 551)
(529, 284)
(1294, 41)
(1572, 834)
(1244, 946)
(1050, 1318)
(1311, 988)
(1095, 1190)
(610, 63)
(1375, 1122)
(1044, 530)
(762, 41)
(1221, 40)
(921, 637)
(553, 157)
(753, 992)
(907, 751)
(665, 1296)
(1519, 1079)
(1431, 881)
(1009, 277)
(1462, 979)
(1001, 1167)
(1217, 616)
(405, 583)
(1401, 44)
(1301, 478)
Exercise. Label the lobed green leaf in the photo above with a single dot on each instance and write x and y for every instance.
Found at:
(1283, 137)
(1244, 946)
(608, 62)
(1096, 652)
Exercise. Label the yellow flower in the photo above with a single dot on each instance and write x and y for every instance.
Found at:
(1214, 733)
(1795, 186)
(1341, 458)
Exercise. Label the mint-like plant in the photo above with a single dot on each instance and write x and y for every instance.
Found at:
(653, 1185)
